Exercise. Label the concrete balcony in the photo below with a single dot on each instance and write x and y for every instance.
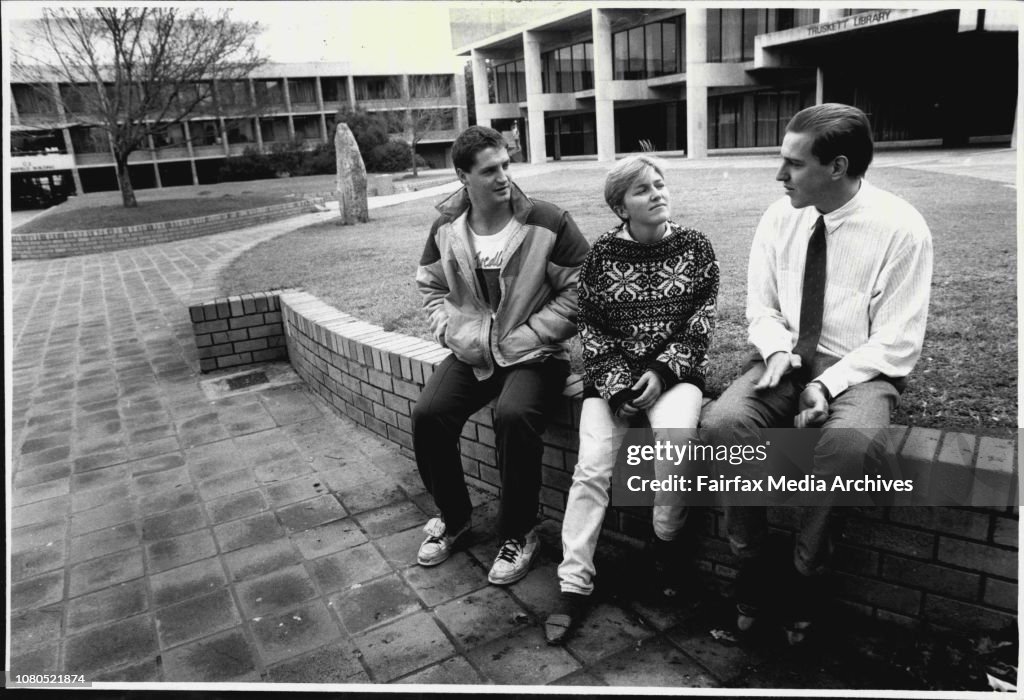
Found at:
(94, 159)
(208, 151)
(172, 153)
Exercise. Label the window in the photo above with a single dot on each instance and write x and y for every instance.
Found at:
(30, 143)
(649, 50)
(430, 86)
(240, 131)
(302, 91)
(307, 128)
(731, 32)
(171, 136)
(86, 139)
(443, 119)
(754, 118)
(334, 89)
(204, 133)
(568, 69)
(380, 87)
(269, 92)
(510, 81)
(233, 94)
(34, 99)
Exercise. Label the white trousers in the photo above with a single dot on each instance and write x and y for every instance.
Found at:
(601, 437)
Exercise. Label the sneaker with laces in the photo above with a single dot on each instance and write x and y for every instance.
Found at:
(514, 559)
(438, 545)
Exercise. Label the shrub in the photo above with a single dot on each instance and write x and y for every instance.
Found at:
(320, 161)
(369, 130)
(392, 157)
(251, 165)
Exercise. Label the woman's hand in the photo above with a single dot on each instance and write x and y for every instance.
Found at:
(650, 387)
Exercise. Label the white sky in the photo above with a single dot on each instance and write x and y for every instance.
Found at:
(377, 34)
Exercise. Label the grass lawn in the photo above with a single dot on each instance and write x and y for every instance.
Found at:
(80, 218)
(104, 209)
(966, 378)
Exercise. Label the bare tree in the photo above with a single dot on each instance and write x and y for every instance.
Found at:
(428, 107)
(136, 71)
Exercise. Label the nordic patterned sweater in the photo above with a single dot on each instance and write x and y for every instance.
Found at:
(646, 306)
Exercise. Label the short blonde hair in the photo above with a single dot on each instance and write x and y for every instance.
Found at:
(624, 173)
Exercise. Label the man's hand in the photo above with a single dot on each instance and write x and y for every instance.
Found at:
(442, 328)
(813, 407)
(650, 387)
(627, 410)
(776, 367)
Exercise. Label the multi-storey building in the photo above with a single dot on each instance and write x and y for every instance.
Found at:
(52, 153)
(607, 78)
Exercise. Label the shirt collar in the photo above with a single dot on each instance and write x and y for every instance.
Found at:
(835, 219)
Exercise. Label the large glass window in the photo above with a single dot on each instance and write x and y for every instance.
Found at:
(731, 32)
(650, 50)
(568, 69)
(754, 118)
(510, 81)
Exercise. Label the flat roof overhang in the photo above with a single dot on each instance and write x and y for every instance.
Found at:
(806, 44)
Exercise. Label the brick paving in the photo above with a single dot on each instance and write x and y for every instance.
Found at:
(160, 536)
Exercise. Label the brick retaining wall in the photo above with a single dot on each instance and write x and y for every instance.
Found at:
(238, 330)
(38, 246)
(948, 567)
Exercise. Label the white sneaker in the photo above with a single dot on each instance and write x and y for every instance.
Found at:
(514, 559)
(438, 545)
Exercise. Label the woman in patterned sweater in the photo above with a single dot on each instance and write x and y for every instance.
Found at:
(647, 295)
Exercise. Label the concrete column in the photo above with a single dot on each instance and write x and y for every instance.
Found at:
(604, 105)
(156, 165)
(461, 113)
(191, 154)
(819, 86)
(320, 109)
(696, 83)
(69, 146)
(406, 96)
(534, 97)
(480, 91)
(288, 107)
(351, 92)
(15, 119)
(223, 124)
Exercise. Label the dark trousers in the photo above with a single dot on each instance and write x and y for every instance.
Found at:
(453, 393)
(853, 434)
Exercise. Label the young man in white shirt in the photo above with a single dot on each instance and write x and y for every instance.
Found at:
(498, 278)
(835, 358)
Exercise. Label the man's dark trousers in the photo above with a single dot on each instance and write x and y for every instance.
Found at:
(452, 394)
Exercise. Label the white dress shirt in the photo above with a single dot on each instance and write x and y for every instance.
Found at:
(876, 291)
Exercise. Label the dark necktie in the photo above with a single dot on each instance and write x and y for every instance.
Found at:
(813, 302)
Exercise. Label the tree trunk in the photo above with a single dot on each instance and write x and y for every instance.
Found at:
(125, 181)
(413, 151)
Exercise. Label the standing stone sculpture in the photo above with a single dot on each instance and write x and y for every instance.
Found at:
(351, 178)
